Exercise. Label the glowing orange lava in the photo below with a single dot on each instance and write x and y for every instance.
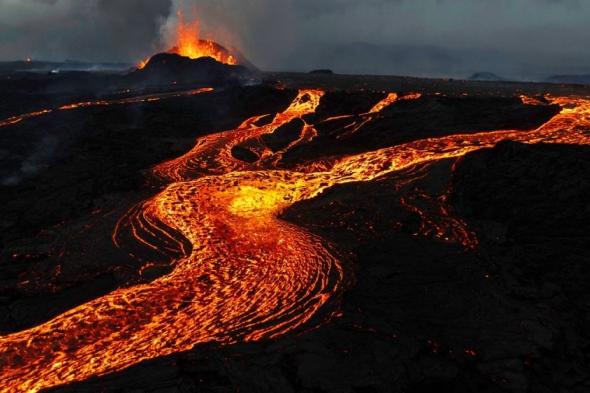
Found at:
(247, 275)
(118, 101)
(17, 119)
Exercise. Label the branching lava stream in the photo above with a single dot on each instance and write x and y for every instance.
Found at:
(248, 276)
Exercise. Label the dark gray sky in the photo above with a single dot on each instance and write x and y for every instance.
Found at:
(417, 37)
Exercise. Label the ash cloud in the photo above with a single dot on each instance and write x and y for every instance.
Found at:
(524, 39)
(90, 30)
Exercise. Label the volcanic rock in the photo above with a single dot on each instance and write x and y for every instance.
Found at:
(538, 194)
(244, 154)
(284, 135)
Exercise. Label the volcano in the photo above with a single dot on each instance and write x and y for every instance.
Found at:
(193, 59)
(199, 49)
(172, 68)
(188, 43)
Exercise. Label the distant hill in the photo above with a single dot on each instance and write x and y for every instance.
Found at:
(410, 60)
(570, 79)
(486, 76)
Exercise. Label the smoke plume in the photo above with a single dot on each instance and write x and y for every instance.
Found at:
(90, 30)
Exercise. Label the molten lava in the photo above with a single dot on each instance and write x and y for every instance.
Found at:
(243, 274)
(118, 101)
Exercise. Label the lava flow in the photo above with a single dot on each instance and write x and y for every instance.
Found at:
(118, 101)
(247, 275)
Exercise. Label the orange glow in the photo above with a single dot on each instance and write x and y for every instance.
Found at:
(247, 275)
(390, 99)
(141, 65)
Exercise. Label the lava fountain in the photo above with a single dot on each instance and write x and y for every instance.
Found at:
(188, 43)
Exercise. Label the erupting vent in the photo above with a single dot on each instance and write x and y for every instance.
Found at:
(189, 44)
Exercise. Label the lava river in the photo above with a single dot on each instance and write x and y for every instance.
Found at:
(243, 274)
(97, 103)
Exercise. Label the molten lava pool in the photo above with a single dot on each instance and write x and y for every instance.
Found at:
(244, 274)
